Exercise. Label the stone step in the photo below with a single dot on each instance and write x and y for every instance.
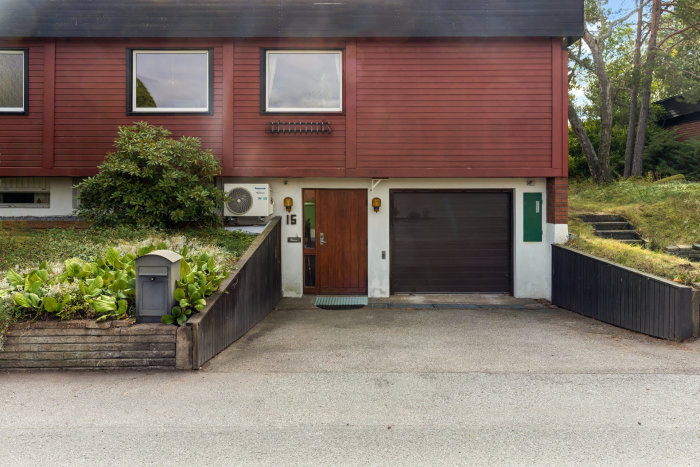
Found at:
(632, 242)
(619, 234)
(591, 218)
(599, 226)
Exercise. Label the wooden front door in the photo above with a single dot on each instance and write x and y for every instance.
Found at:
(341, 223)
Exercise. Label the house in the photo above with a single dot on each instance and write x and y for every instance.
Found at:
(422, 144)
(681, 116)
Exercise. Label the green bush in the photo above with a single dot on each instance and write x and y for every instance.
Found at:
(153, 180)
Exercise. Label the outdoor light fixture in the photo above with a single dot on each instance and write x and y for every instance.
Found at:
(376, 204)
(288, 203)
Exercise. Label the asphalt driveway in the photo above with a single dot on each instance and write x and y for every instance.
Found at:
(506, 382)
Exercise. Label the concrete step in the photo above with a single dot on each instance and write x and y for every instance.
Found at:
(591, 218)
(599, 226)
(619, 234)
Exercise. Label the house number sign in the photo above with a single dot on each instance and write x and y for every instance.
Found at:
(291, 219)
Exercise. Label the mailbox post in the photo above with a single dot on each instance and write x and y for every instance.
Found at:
(157, 274)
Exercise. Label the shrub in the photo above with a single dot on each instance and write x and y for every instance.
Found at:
(153, 180)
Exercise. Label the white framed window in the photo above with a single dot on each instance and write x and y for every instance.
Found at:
(303, 81)
(13, 81)
(171, 81)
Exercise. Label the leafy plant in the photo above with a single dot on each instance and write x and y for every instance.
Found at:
(199, 278)
(153, 180)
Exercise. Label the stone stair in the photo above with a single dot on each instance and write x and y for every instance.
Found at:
(691, 252)
(614, 227)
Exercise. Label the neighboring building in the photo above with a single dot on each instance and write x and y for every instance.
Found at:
(681, 116)
(451, 113)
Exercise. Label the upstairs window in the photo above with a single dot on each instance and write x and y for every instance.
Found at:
(170, 81)
(303, 81)
(13, 81)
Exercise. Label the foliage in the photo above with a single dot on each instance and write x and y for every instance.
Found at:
(92, 284)
(199, 278)
(153, 180)
(665, 155)
(143, 95)
(608, 84)
(102, 289)
(665, 212)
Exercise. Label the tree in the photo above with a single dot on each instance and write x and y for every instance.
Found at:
(598, 29)
(634, 90)
(623, 68)
(646, 90)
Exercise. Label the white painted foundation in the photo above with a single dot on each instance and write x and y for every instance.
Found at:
(532, 260)
(61, 202)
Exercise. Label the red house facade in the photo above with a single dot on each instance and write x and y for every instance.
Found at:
(450, 116)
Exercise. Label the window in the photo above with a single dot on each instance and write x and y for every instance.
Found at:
(25, 199)
(13, 81)
(303, 81)
(170, 81)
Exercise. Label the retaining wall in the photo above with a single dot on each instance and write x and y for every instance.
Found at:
(85, 344)
(623, 296)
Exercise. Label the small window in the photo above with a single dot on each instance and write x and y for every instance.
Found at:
(25, 199)
(13, 81)
(170, 81)
(303, 81)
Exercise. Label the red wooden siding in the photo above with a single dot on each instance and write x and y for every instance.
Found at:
(454, 105)
(21, 135)
(256, 153)
(442, 108)
(91, 100)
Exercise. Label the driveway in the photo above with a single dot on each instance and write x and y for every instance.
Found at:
(505, 381)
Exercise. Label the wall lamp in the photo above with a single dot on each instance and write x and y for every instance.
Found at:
(376, 204)
(288, 203)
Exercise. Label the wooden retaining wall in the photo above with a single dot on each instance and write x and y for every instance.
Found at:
(88, 345)
(623, 297)
(243, 299)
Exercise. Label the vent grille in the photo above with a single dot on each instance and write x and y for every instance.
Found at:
(241, 201)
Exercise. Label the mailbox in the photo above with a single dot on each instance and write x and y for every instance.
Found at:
(157, 274)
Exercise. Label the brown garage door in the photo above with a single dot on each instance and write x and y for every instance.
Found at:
(451, 241)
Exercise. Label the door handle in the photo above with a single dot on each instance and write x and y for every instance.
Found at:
(322, 239)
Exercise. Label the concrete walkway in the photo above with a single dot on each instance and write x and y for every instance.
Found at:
(502, 382)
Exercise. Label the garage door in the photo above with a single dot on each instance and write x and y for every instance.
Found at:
(451, 241)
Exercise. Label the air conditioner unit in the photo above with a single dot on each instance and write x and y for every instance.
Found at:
(248, 200)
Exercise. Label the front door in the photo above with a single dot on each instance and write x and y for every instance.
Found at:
(341, 241)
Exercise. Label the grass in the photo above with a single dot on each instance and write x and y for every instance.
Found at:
(23, 248)
(663, 212)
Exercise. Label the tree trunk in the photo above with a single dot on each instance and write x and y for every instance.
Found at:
(646, 89)
(600, 170)
(629, 146)
(606, 107)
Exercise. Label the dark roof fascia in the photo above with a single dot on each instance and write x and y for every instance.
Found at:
(291, 18)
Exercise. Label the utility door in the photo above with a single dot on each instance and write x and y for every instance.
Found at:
(341, 241)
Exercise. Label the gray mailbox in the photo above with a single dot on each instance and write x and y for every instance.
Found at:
(157, 274)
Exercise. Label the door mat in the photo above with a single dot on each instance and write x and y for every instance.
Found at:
(340, 302)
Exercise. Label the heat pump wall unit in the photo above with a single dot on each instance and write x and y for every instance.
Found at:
(248, 200)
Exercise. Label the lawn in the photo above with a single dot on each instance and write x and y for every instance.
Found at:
(663, 212)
